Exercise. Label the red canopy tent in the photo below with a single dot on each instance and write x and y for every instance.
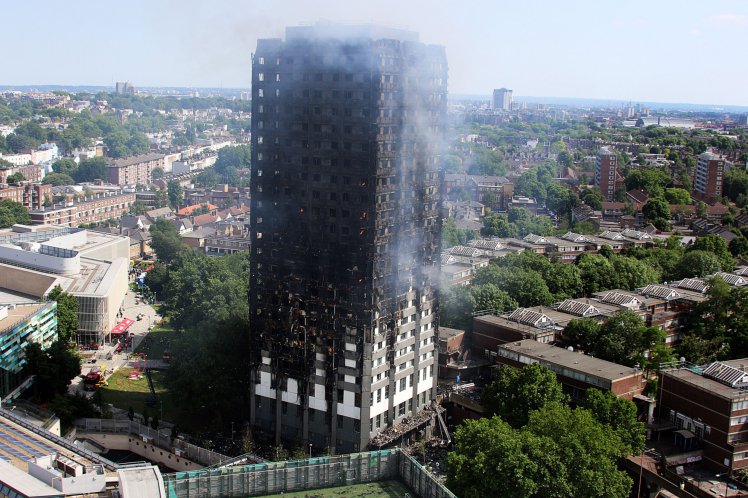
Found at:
(122, 327)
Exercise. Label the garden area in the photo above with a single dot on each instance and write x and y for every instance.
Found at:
(383, 489)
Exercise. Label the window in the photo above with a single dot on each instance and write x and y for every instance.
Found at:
(401, 409)
(402, 384)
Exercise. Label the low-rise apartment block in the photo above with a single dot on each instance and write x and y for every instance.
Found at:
(30, 195)
(134, 169)
(93, 210)
(709, 405)
(576, 372)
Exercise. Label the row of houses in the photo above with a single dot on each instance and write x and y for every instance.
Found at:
(460, 263)
(665, 306)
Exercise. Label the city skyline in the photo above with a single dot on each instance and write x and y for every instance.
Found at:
(577, 49)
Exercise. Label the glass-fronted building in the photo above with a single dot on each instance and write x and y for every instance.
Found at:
(21, 324)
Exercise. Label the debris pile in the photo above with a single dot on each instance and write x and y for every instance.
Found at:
(406, 426)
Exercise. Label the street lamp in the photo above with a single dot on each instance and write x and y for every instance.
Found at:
(310, 451)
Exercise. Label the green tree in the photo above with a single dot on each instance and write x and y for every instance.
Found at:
(490, 453)
(657, 212)
(516, 392)
(632, 273)
(719, 325)
(456, 306)
(208, 370)
(53, 369)
(157, 173)
(677, 196)
(716, 245)
(175, 192)
(138, 207)
(597, 273)
(619, 414)
(526, 287)
(497, 225)
(90, 170)
(65, 166)
(165, 240)
(593, 198)
(489, 297)
(697, 264)
(589, 449)
(16, 178)
(582, 333)
(233, 157)
(57, 179)
(207, 178)
(739, 247)
(11, 213)
(67, 313)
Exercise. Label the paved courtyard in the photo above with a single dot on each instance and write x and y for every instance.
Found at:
(132, 307)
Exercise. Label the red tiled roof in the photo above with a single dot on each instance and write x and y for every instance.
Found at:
(191, 209)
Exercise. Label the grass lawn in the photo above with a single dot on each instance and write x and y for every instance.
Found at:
(125, 393)
(157, 341)
(383, 489)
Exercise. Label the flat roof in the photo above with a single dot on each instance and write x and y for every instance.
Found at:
(18, 313)
(141, 482)
(688, 375)
(570, 359)
(446, 332)
(24, 483)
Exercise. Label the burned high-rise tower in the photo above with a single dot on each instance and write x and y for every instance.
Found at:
(347, 124)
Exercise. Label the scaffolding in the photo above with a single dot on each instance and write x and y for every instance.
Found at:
(302, 475)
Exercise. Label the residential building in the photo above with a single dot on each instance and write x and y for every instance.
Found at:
(20, 325)
(125, 87)
(502, 99)
(92, 210)
(711, 404)
(30, 195)
(709, 177)
(576, 372)
(134, 169)
(606, 172)
(345, 233)
(31, 172)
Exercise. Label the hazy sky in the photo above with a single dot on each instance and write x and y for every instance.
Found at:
(652, 50)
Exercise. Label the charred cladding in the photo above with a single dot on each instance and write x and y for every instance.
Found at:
(347, 129)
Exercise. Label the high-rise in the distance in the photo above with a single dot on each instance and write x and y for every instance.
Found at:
(708, 180)
(502, 99)
(347, 125)
(606, 171)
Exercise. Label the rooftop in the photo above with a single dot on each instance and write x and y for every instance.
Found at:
(569, 359)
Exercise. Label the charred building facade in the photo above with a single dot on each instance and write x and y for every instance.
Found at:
(346, 129)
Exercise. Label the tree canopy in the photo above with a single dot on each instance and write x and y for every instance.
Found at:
(12, 212)
(550, 449)
(165, 240)
(67, 314)
(518, 391)
(53, 369)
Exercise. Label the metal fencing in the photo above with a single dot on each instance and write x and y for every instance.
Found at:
(302, 475)
(157, 438)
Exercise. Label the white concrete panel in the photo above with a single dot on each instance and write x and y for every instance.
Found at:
(350, 363)
(349, 411)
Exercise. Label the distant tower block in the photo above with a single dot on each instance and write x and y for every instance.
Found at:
(502, 99)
